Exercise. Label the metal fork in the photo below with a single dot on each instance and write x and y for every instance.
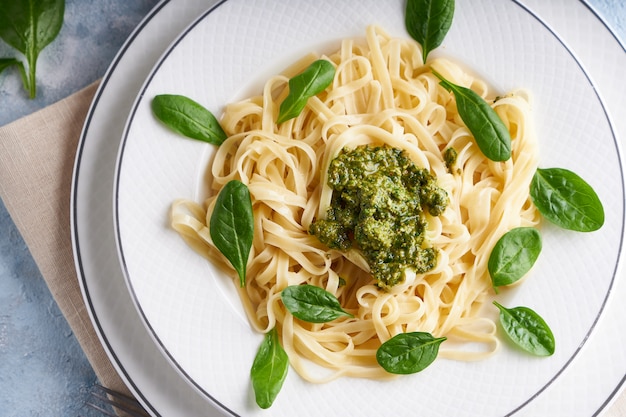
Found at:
(126, 405)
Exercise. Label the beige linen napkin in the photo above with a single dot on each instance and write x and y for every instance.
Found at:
(618, 409)
(36, 162)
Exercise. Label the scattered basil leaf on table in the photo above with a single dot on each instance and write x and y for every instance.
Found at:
(408, 353)
(566, 200)
(428, 22)
(29, 26)
(269, 370)
(513, 255)
(312, 81)
(232, 225)
(490, 133)
(312, 304)
(9, 62)
(187, 117)
(527, 330)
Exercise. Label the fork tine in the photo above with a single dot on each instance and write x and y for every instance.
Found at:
(123, 398)
(121, 402)
(131, 412)
(102, 410)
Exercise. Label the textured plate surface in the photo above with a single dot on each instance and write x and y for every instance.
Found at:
(174, 293)
(228, 54)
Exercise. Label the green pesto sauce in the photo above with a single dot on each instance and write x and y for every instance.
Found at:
(379, 205)
(449, 157)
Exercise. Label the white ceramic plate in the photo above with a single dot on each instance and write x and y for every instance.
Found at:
(130, 346)
(189, 305)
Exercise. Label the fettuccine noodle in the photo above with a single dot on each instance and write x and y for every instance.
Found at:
(381, 94)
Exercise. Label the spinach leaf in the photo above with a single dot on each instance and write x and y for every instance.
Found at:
(408, 353)
(29, 26)
(490, 133)
(513, 255)
(187, 117)
(9, 62)
(565, 199)
(269, 369)
(313, 80)
(312, 304)
(428, 22)
(527, 330)
(232, 225)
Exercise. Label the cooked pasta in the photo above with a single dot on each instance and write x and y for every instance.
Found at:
(382, 94)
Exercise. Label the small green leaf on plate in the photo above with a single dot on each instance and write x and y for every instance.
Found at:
(312, 304)
(490, 133)
(428, 22)
(527, 330)
(269, 370)
(566, 200)
(312, 81)
(187, 117)
(408, 353)
(232, 226)
(514, 255)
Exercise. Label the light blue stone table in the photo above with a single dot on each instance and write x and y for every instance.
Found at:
(43, 371)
